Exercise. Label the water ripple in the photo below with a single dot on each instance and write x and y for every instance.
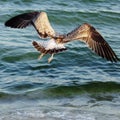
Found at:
(76, 78)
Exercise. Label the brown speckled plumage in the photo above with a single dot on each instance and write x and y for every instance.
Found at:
(86, 33)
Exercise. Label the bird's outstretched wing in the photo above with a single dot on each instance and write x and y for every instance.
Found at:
(95, 41)
(38, 19)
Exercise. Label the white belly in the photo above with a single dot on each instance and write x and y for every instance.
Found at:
(51, 44)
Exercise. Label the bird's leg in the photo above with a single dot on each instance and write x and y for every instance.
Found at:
(50, 59)
(40, 57)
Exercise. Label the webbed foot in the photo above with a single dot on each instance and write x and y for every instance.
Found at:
(51, 58)
(40, 57)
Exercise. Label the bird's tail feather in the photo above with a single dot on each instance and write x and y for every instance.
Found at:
(41, 49)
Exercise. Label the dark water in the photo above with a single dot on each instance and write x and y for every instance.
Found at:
(78, 84)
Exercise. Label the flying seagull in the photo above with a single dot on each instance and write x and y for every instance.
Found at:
(85, 32)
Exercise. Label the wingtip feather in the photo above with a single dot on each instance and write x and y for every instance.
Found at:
(22, 20)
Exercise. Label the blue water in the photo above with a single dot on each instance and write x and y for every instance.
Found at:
(77, 84)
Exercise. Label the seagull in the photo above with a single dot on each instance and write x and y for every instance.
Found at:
(56, 42)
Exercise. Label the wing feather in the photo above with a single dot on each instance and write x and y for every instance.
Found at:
(38, 19)
(93, 38)
(22, 20)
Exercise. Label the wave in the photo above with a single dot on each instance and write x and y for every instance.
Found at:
(30, 91)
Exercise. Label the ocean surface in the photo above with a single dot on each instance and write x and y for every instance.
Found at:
(77, 84)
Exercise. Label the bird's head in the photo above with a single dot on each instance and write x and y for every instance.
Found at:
(59, 39)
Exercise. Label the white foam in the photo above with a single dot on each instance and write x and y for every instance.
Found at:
(46, 113)
(54, 113)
